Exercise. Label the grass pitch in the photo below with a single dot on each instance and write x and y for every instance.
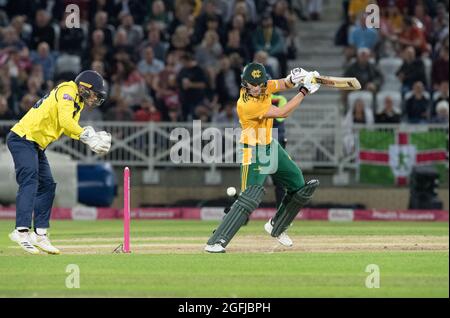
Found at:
(328, 260)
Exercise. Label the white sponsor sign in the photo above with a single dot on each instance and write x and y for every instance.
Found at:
(155, 214)
(212, 214)
(416, 216)
(340, 215)
(388, 215)
(7, 214)
(84, 213)
(264, 214)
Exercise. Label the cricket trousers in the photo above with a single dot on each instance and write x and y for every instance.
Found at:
(36, 184)
(261, 161)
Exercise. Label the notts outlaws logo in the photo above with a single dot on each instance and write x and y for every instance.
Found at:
(256, 74)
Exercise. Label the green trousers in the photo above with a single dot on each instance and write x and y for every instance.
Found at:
(261, 161)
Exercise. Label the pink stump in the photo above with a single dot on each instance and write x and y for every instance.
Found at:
(126, 210)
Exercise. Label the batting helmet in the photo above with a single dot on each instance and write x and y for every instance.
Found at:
(254, 74)
(91, 88)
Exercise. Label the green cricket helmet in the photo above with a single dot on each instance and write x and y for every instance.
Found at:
(254, 74)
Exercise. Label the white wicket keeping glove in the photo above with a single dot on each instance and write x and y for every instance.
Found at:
(106, 138)
(94, 141)
(88, 132)
(296, 76)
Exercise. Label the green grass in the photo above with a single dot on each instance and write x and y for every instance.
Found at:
(402, 273)
(188, 228)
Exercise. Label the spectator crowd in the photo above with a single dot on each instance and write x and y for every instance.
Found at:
(402, 65)
(171, 60)
(178, 60)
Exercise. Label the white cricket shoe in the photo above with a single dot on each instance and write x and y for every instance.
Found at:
(216, 248)
(283, 238)
(23, 239)
(43, 243)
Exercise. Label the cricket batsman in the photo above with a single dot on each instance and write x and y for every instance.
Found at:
(256, 114)
(57, 113)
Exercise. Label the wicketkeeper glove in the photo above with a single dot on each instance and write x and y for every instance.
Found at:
(106, 138)
(98, 143)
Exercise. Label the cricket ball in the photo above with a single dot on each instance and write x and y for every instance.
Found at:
(231, 191)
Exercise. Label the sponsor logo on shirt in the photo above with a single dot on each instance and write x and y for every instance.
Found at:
(67, 97)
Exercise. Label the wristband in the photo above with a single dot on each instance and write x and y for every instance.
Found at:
(303, 90)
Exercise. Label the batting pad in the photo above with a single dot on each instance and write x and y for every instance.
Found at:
(245, 204)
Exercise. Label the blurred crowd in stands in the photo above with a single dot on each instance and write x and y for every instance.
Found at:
(177, 60)
(170, 60)
(402, 65)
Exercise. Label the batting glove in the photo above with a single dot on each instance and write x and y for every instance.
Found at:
(309, 82)
(296, 76)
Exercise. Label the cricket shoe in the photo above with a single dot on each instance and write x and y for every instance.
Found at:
(23, 239)
(283, 238)
(43, 243)
(215, 248)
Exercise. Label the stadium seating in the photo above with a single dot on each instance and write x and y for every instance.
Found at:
(396, 98)
(67, 63)
(366, 96)
(388, 67)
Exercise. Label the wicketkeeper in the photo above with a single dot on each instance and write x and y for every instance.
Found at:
(263, 156)
(57, 113)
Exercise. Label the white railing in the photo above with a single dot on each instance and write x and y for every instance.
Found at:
(314, 136)
(311, 143)
(134, 144)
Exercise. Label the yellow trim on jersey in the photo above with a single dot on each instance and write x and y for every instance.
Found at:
(247, 156)
(244, 177)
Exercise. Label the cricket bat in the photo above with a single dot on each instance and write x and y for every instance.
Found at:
(344, 83)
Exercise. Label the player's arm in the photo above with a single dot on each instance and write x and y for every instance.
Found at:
(284, 84)
(307, 88)
(98, 142)
(65, 97)
(276, 112)
(290, 81)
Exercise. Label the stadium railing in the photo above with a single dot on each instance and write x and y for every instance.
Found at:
(323, 143)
